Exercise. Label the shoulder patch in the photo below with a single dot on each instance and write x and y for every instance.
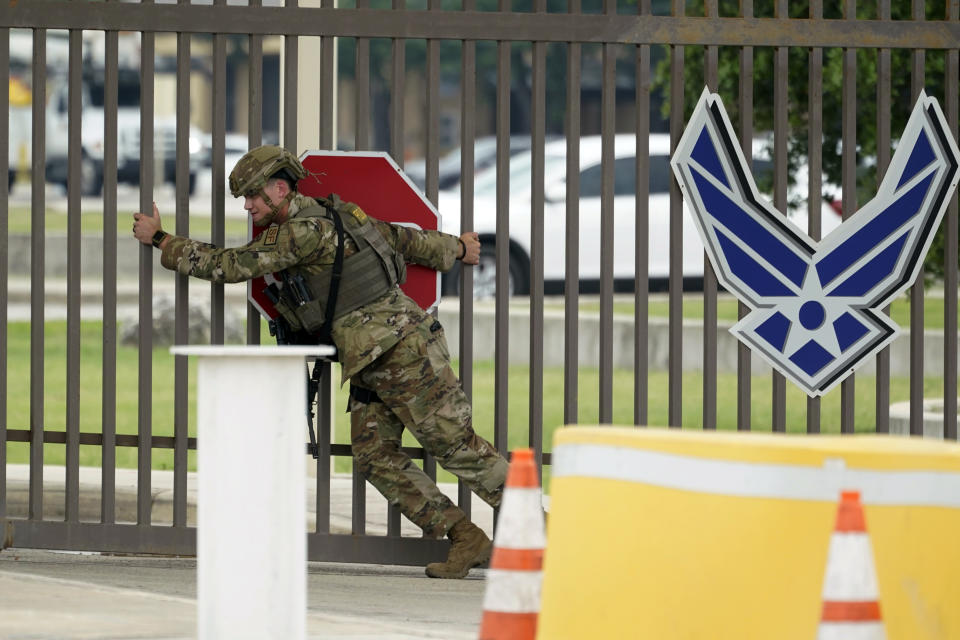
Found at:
(356, 212)
(270, 236)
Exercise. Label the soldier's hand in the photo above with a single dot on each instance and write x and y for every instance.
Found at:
(144, 226)
(471, 247)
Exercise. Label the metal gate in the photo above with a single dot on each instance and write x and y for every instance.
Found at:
(539, 69)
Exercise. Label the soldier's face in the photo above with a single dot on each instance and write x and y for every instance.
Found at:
(258, 209)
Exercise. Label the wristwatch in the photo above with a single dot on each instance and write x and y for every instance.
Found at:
(158, 238)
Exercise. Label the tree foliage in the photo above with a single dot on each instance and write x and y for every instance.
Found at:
(901, 81)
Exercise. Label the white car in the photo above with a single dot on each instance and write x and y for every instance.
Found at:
(448, 166)
(554, 218)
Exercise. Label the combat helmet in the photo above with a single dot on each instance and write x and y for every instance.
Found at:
(258, 165)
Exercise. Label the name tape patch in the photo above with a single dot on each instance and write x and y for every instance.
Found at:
(270, 237)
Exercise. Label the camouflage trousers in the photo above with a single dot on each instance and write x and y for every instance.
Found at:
(418, 390)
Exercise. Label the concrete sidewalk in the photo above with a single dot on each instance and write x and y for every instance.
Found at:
(48, 595)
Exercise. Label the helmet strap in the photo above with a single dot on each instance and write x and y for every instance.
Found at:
(275, 208)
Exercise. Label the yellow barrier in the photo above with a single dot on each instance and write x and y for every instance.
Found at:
(672, 535)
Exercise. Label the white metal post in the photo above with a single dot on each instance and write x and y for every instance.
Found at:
(251, 495)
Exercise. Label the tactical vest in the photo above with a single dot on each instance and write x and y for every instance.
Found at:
(351, 282)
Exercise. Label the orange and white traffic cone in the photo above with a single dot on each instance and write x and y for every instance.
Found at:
(851, 601)
(511, 602)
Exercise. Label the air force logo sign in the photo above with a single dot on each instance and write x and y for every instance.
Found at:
(816, 306)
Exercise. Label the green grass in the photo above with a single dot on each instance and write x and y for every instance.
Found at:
(54, 408)
(91, 383)
(91, 222)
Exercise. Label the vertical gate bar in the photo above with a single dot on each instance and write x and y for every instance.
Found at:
(398, 59)
(641, 267)
(255, 139)
(538, 126)
(571, 289)
(780, 141)
(145, 343)
(72, 454)
(815, 164)
(291, 52)
(255, 85)
(952, 109)
(37, 271)
(849, 184)
(502, 312)
(108, 410)
(362, 71)
(468, 128)
(217, 215)
(608, 124)
(361, 142)
(218, 119)
(433, 116)
(4, 268)
(884, 72)
(712, 52)
(328, 88)
(745, 97)
(432, 113)
(709, 415)
(324, 458)
(675, 304)
(218, 172)
(917, 80)
(181, 370)
(397, 91)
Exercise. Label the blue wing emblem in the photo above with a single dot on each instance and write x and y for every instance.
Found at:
(816, 305)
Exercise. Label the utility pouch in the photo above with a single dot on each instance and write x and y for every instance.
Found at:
(311, 315)
(285, 309)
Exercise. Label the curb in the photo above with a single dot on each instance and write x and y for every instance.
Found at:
(162, 499)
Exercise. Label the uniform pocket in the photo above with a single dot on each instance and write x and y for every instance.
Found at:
(437, 349)
(420, 377)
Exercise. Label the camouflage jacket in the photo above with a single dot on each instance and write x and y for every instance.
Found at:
(307, 245)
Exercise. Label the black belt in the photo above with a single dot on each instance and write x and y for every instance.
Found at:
(363, 396)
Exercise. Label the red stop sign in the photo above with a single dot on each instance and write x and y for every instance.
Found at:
(374, 181)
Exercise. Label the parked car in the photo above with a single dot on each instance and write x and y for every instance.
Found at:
(554, 218)
(448, 166)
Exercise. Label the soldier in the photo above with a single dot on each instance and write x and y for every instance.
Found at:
(392, 352)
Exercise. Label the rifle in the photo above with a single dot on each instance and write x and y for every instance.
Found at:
(281, 330)
(313, 388)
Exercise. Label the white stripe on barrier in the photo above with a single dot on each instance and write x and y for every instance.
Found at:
(520, 525)
(757, 480)
(512, 591)
(850, 576)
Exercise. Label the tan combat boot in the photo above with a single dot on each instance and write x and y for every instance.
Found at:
(471, 547)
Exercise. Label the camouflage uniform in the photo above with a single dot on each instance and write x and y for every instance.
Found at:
(390, 346)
